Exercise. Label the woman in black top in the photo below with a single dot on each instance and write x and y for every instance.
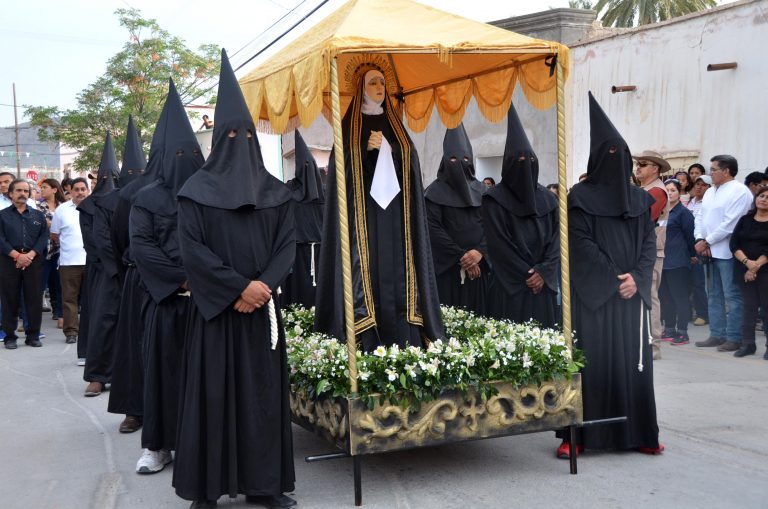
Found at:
(749, 244)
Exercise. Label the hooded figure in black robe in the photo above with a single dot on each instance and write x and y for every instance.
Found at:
(103, 291)
(521, 225)
(309, 197)
(456, 226)
(393, 279)
(125, 393)
(612, 252)
(236, 236)
(155, 246)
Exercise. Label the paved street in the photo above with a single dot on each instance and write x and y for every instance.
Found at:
(61, 450)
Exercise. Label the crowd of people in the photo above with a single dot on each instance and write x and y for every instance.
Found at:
(170, 273)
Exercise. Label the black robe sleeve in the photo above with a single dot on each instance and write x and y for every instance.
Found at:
(86, 229)
(550, 261)
(161, 275)
(594, 274)
(102, 238)
(215, 286)
(445, 251)
(643, 272)
(283, 249)
(505, 258)
(120, 230)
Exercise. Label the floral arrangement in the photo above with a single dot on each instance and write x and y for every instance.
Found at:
(476, 352)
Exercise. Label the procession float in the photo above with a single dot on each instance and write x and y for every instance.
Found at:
(487, 378)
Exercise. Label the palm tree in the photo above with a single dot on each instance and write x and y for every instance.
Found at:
(628, 13)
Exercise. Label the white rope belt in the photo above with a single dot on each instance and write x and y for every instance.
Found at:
(312, 262)
(644, 317)
(272, 323)
(463, 275)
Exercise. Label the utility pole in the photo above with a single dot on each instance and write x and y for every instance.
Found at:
(16, 122)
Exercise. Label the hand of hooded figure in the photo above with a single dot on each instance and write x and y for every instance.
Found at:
(535, 282)
(628, 287)
(473, 272)
(470, 258)
(256, 294)
(243, 307)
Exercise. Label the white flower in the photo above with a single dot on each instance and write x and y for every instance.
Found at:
(527, 363)
(496, 364)
(380, 351)
(391, 374)
(436, 346)
(364, 375)
(454, 343)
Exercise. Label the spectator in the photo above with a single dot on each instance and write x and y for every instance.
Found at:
(53, 196)
(65, 230)
(675, 286)
(583, 177)
(686, 185)
(489, 182)
(207, 123)
(749, 244)
(650, 166)
(695, 171)
(553, 188)
(722, 207)
(5, 180)
(755, 181)
(66, 186)
(23, 241)
(698, 281)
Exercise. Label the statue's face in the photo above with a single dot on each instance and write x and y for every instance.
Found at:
(375, 87)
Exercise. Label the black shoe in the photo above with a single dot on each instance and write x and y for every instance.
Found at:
(711, 341)
(681, 339)
(10, 344)
(71, 339)
(765, 355)
(745, 350)
(33, 342)
(272, 502)
(203, 504)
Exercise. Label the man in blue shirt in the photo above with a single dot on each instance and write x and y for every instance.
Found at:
(23, 243)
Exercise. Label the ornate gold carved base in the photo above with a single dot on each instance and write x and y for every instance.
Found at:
(351, 426)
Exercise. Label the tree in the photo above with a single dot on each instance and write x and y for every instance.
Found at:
(135, 83)
(581, 4)
(629, 13)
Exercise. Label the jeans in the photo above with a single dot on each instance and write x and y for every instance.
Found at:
(698, 289)
(724, 290)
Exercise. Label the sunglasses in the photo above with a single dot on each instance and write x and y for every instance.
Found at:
(644, 164)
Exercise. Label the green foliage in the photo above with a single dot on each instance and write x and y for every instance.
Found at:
(477, 351)
(135, 82)
(581, 4)
(629, 13)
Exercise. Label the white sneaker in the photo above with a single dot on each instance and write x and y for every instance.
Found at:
(81, 361)
(152, 462)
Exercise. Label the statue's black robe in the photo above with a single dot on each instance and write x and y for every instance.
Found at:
(234, 417)
(609, 328)
(127, 391)
(155, 244)
(453, 231)
(517, 244)
(386, 254)
(300, 285)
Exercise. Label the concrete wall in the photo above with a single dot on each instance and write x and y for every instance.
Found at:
(679, 109)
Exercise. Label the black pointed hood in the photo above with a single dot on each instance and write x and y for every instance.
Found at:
(133, 156)
(155, 163)
(455, 184)
(181, 154)
(108, 169)
(519, 190)
(608, 188)
(307, 185)
(234, 174)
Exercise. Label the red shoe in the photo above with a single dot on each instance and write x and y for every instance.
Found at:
(654, 451)
(564, 451)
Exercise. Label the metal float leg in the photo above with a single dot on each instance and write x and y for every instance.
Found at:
(573, 449)
(357, 462)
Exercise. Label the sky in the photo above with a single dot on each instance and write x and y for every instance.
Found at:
(52, 49)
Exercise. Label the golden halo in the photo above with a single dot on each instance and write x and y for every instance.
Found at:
(361, 64)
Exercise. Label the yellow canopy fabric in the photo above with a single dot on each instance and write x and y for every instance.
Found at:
(439, 59)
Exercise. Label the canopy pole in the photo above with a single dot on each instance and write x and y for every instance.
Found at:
(562, 178)
(346, 259)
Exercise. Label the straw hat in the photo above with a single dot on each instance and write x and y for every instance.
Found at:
(655, 158)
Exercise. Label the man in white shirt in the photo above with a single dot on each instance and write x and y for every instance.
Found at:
(65, 230)
(722, 207)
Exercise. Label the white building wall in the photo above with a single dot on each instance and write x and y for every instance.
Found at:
(679, 109)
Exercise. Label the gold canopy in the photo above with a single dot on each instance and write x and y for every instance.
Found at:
(438, 59)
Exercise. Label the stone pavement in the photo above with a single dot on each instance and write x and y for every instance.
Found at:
(61, 450)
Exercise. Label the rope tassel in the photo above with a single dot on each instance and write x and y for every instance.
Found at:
(273, 323)
(640, 364)
(312, 262)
